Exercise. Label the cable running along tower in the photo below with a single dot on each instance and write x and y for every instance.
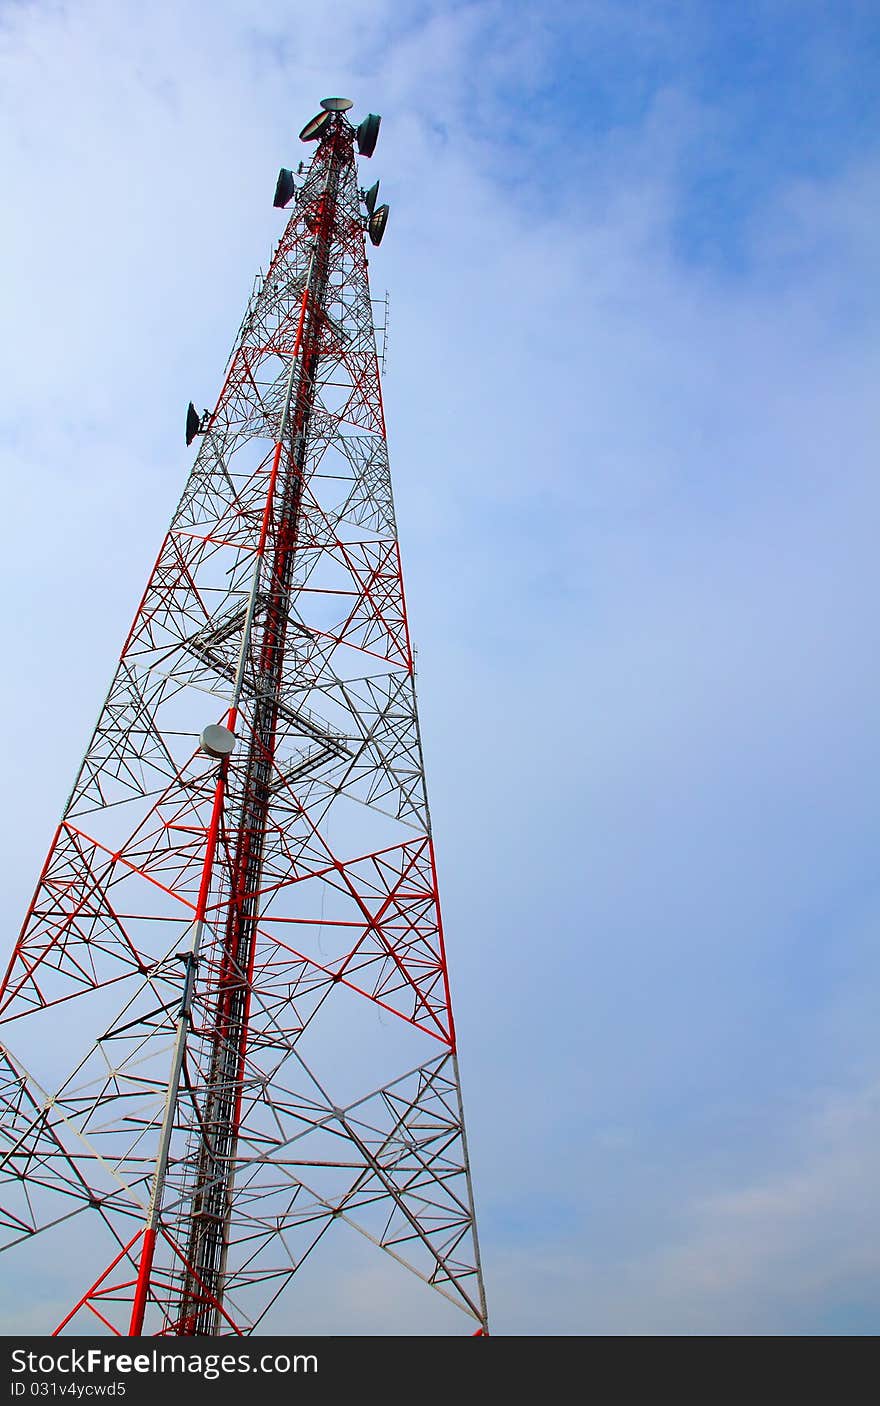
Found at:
(237, 928)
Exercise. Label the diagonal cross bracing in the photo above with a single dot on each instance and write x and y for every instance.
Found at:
(241, 959)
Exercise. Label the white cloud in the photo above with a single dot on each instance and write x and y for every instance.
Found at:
(637, 498)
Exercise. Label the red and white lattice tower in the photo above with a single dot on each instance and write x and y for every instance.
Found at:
(228, 1009)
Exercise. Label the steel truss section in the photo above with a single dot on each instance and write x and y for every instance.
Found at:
(230, 990)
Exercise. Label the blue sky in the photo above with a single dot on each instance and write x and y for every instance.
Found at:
(631, 398)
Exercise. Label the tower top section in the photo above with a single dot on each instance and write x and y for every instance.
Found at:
(366, 133)
(321, 128)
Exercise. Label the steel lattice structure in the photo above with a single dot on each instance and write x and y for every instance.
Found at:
(241, 897)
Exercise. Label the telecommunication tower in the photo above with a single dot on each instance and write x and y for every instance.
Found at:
(231, 984)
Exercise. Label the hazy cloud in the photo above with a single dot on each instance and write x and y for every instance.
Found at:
(632, 427)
